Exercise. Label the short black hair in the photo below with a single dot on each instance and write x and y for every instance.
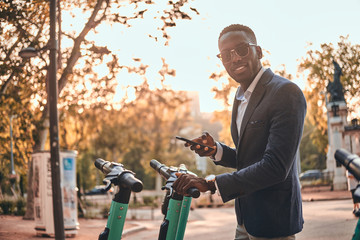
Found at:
(241, 28)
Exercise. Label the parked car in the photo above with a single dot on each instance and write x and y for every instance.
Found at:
(311, 175)
(99, 190)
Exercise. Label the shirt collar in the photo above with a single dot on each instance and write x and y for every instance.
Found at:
(240, 95)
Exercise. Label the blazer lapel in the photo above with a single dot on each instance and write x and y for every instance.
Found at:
(234, 131)
(256, 97)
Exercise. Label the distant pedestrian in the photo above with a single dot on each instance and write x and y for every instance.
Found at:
(352, 184)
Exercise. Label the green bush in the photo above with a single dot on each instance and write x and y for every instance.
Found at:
(105, 211)
(20, 207)
(7, 206)
(149, 201)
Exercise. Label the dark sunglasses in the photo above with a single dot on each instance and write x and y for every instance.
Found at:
(241, 50)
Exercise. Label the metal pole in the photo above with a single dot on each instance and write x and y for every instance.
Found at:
(11, 150)
(54, 129)
(11, 146)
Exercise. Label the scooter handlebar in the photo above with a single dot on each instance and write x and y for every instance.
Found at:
(350, 161)
(125, 177)
(162, 169)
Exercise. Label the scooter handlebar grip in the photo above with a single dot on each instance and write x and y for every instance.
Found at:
(193, 192)
(99, 163)
(155, 164)
(130, 181)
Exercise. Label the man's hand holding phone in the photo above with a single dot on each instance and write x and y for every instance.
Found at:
(203, 145)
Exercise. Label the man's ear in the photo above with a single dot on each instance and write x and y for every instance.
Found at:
(259, 52)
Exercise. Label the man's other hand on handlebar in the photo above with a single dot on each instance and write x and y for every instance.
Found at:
(186, 181)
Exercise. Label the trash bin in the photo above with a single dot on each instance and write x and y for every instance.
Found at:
(43, 204)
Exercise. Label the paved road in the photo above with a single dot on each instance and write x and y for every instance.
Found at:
(330, 220)
(204, 223)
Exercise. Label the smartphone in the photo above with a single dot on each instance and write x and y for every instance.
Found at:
(193, 143)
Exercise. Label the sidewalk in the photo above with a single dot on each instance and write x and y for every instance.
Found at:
(323, 193)
(14, 227)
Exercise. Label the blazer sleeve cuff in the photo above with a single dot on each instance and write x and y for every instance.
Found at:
(219, 153)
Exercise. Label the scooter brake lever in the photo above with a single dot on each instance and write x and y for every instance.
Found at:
(107, 183)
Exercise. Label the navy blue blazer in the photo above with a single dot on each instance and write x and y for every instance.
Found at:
(266, 184)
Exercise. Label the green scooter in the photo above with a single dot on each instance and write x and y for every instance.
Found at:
(175, 207)
(126, 182)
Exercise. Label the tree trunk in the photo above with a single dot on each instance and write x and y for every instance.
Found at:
(158, 183)
(29, 214)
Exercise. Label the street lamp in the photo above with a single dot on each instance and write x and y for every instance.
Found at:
(29, 52)
(54, 124)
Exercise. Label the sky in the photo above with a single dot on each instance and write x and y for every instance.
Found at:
(283, 28)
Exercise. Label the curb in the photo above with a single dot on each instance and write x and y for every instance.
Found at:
(324, 199)
(325, 195)
(137, 228)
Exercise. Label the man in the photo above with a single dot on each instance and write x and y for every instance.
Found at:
(266, 128)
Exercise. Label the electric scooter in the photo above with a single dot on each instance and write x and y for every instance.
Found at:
(175, 206)
(125, 180)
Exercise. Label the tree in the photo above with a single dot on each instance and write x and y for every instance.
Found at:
(21, 25)
(311, 157)
(141, 130)
(16, 97)
(149, 125)
(319, 69)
